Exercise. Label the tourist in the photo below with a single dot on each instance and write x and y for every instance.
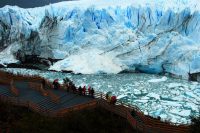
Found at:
(113, 100)
(56, 84)
(68, 84)
(92, 92)
(80, 90)
(108, 96)
(133, 113)
(84, 90)
(89, 89)
(68, 87)
(73, 87)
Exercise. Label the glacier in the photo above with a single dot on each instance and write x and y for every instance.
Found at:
(100, 36)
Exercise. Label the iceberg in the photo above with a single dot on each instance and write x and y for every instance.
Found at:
(92, 36)
(157, 80)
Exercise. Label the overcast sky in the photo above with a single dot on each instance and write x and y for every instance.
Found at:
(28, 3)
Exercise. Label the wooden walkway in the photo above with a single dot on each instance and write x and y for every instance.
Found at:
(40, 103)
(28, 91)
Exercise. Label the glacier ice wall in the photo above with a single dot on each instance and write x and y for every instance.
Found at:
(110, 37)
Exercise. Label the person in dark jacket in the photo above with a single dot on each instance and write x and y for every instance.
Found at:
(84, 90)
(92, 92)
(89, 90)
(56, 84)
(73, 87)
(80, 90)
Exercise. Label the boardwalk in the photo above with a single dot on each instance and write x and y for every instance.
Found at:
(27, 94)
(27, 91)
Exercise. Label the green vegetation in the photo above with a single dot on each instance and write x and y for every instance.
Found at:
(97, 120)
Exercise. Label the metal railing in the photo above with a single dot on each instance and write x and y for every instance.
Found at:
(145, 123)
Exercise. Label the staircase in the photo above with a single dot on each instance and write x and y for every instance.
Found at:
(4, 90)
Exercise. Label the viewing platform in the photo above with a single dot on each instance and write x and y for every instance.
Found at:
(28, 91)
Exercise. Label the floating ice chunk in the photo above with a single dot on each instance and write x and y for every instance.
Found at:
(183, 113)
(95, 83)
(178, 98)
(158, 80)
(109, 86)
(191, 106)
(154, 95)
(121, 96)
(165, 97)
(145, 98)
(194, 83)
(157, 112)
(191, 95)
(175, 92)
(141, 101)
(174, 85)
(197, 91)
(163, 116)
(146, 112)
(137, 92)
(123, 90)
(171, 103)
(174, 120)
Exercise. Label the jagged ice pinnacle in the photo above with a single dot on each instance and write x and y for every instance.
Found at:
(106, 36)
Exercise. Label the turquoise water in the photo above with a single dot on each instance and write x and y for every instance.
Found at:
(171, 99)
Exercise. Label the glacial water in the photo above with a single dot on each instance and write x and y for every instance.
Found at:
(171, 99)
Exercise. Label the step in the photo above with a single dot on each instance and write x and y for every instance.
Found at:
(47, 104)
(75, 101)
(5, 90)
(64, 99)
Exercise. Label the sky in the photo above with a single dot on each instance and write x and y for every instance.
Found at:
(28, 3)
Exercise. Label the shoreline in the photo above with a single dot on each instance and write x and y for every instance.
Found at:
(123, 72)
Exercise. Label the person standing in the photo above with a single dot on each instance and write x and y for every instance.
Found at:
(79, 90)
(92, 92)
(89, 90)
(56, 84)
(84, 90)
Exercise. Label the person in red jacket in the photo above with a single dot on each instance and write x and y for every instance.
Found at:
(113, 100)
(84, 90)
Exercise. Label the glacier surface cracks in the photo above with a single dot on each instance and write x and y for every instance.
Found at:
(110, 37)
(104, 38)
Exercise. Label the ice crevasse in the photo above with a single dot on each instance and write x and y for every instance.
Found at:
(94, 36)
